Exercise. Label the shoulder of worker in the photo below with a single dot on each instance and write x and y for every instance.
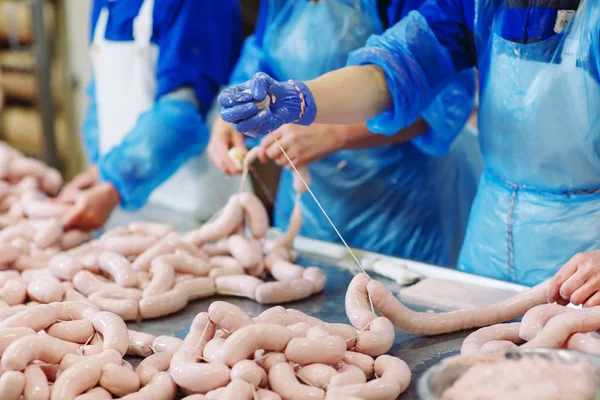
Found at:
(167, 15)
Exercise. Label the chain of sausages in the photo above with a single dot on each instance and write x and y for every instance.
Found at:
(544, 326)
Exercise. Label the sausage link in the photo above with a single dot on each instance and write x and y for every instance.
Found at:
(223, 225)
(119, 380)
(14, 292)
(362, 361)
(303, 351)
(9, 335)
(245, 341)
(96, 393)
(190, 375)
(283, 291)
(45, 348)
(316, 276)
(144, 261)
(213, 350)
(12, 384)
(163, 277)
(283, 381)
(256, 213)
(474, 342)
(150, 229)
(73, 238)
(45, 291)
(184, 263)
(264, 394)
(237, 285)
(285, 271)
(37, 318)
(78, 378)
(78, 331)
(119, 269)
(48, 233)
(140, 343)
(237, 390)
(559, 328)
(113, 330)
(438, 323)
(217, 248)
(394, 377)
(96, 354)
(120, 301)
(130, 245)
(161, 387)
(87, 283)
(348, 375)
(346, 332)
(299, 329)
(536, 318)
(316, 375)
(357, 302)
(268, 359)
(228, 316)
(149, 367)
(378, 340)
(36, 384)
(247, 252)
(197, 288)
(163, 304)
(249, 371)
(166, 344)
(8, 253)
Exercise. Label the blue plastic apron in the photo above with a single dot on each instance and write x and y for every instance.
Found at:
(382, 199)
(538, 202)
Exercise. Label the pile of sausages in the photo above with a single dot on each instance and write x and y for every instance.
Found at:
(72, 350)
(147, 270)
(544, 326)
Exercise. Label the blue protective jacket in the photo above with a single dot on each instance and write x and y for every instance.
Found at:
(539, 67)
(385, 199)
(199, 42)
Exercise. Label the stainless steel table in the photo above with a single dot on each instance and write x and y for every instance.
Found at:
(418, 351)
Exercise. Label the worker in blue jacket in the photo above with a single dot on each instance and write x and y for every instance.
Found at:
(157, 66)
(394, 194)
(538, 202)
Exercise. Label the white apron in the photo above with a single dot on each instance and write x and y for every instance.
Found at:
(125, 77)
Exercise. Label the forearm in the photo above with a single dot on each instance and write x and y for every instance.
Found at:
(357, 136)
(350, 95)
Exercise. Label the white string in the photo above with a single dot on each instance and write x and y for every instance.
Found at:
(321, 208)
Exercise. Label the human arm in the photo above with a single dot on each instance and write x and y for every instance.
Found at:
(397, 76)
(307, 144)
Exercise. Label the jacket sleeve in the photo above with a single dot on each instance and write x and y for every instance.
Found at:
(199, 43)
(422, 55)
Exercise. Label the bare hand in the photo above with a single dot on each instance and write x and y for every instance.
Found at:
(92, 208)
(83, 181)
(222, 138)
(578, 281)
(303, 144)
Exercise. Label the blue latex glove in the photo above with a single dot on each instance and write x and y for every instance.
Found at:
(164, 138)
(239, 105)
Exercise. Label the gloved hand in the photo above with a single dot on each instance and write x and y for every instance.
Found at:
(578, 281)
(289, 102)
(92, 207)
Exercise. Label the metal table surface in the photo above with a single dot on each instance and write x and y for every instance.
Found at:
(418, 352)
